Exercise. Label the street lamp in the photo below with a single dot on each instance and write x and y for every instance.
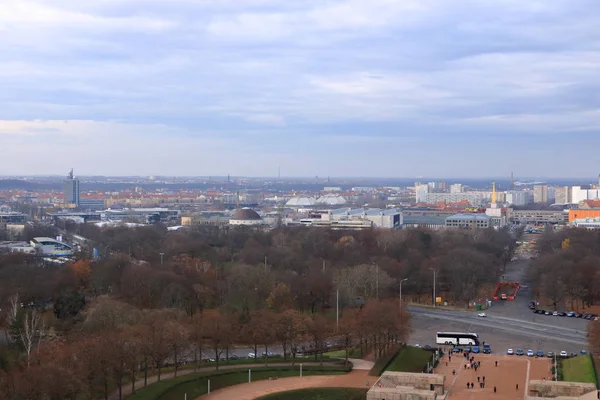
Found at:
(400, 294)
(161, 258)
(432, 269)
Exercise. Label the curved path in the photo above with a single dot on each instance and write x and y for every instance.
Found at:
(249, 391)
(139, 383)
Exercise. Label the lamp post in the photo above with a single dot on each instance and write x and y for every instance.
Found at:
(433, 285)
(400, 294)
(161, 258)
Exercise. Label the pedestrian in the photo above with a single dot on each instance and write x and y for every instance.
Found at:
(517, 386)
(449, 358)
(465, 366)
(472, 385)
(481, 385)
(483, 378)
(468, 385)
(496, 363)
(478, 379)
(453, 372)
(446, 363)
(494, 389)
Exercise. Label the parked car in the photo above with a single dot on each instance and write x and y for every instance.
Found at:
(548, 313)
(539, 353)
(234, 357)
(539, 311)
(564, 354)
(530, 353)
(550, 354)
(571, 314)
(427, 347)
(555, 313)
(482, 314)
(251, 355)
(578, 315)
(456, 350)
(487, 349)
(562, 314)
(573, 354)
(510, 352)
(583, 352)
(475, 349)
(467, 348)
(267, 354)
(520, 352)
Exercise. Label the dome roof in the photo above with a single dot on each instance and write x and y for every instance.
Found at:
(245, 214)
(301, 201)
(331, 200)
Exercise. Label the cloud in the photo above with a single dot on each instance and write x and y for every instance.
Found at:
(260, 74)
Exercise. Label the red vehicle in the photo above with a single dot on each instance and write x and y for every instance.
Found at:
(506, 290)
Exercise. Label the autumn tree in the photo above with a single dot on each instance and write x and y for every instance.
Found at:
(280, 298)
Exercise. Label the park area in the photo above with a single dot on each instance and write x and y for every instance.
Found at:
(578, 369)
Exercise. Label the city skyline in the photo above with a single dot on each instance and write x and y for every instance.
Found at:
(343, 88)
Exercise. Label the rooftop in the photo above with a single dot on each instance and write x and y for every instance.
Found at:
(470, 217)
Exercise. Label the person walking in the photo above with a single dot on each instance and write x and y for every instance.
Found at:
(494, 389)
(478, 380)
(517, 386)
(496, 363)
(483, 378)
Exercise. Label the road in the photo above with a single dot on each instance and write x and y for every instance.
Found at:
(509, 324)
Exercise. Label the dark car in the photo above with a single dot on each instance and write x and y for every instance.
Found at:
(475, 349)
(234, 357)
(539, 353)
(562, 314)
(539, 311)
(578, 315)
(427, 347)
(456, 350)
(487, 349)
(520, 352)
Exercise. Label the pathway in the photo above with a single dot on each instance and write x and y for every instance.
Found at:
(139, 383)
(249, 391)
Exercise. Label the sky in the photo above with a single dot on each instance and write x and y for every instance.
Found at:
(370, 88)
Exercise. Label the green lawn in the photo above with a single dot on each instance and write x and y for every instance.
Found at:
(352, 353)
(319, 394)
(410, 359)
(197, 384)
(578, 369)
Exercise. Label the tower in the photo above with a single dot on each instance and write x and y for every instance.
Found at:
(494, 193)
(71, 190)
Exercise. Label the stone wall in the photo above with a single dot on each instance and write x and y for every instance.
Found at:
(400, 393)
(553, 389)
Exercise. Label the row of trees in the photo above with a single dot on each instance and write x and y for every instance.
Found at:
(117, 344)
(567, 271)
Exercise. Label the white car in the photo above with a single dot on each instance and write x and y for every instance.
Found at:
(481, 314)
(530, 353)
(510, 352)
(251, 355)
(555, 313)
(564, 354)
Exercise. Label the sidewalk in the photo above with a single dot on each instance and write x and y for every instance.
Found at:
(139, 383)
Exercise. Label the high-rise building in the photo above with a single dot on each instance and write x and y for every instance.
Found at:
(420, 192)
(518, 197)
(563, 195)
(71, 190)
(540, 193)
(457, 188)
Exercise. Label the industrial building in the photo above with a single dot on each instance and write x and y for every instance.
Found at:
(537, 217)
(390, 219)
(575, 214)
(429, 221)
(11, 217)
(479, 221)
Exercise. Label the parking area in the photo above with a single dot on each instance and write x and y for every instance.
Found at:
(510, 376)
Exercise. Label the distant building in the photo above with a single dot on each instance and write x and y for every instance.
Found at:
(71, 190)
(575, 214)
(537, 217)
(50, 247)
(540, 194)
(518, 197)
(246, 216)
(92, 204)
(12, 217)
(587, 223)
(478, 221)
(430, 221)
(563, 195)
(474, 198)
(457, 188)
(580, 194)
(421, 193)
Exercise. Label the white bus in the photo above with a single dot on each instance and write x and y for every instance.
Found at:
(457, 338)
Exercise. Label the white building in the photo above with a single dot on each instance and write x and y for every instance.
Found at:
(331, 200)
(457, 188)
(474, 198)
(301, 201)
(421, 193)
(51, 248)
(587, 223)
(519, 197)
(578, 194)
